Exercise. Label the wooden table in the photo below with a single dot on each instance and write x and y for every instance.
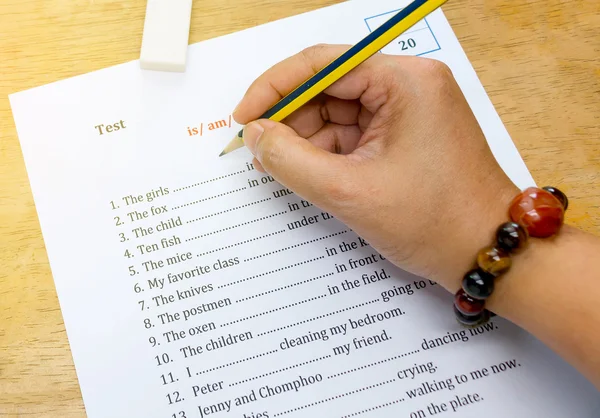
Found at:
(538, 59)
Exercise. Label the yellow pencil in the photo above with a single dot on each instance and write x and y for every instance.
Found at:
(376, 40)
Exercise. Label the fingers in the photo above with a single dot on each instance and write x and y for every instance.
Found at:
(337, 139)
(311, 172)
(310, 118)
(372, 81)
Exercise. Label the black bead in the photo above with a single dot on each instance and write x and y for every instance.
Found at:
(511, 236)
(559, 195)
(478, 284)
(471, 321)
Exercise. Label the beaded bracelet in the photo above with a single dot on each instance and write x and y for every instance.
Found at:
(534, 212)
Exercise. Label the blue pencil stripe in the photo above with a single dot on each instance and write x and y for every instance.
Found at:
(345, 57)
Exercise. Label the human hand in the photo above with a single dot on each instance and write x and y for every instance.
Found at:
(392, 150)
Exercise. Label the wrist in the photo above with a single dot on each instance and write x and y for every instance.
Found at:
(532, 278)
(533, 213)
(552, 292)
(476, 229)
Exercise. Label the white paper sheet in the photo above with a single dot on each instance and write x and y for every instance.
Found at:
(193, 286)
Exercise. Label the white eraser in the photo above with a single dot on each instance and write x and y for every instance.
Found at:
(166, 35)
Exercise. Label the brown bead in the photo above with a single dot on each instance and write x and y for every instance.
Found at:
(493, 260)
(538, 211)
(467, 305)
(510, 236)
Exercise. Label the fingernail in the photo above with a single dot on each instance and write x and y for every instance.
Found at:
(252, 132)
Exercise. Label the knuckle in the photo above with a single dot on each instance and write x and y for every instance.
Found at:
(437, 79)
(385, 81)
(436, 68)
(309, 53)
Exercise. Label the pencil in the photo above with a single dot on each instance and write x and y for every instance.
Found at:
(376, 40)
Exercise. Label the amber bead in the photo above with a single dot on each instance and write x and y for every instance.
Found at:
(471, 320)
(538, 211)
(478, 284)
(511, 236)
(559, 195)
(494, 261)
(466, 305)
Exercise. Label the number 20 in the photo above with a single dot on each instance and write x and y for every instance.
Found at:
(409, 43)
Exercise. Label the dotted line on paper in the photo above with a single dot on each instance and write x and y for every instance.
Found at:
(294, 246)
(209, 181)
(240, 243)
(209, 198)
(273, 310)
(279, 371)
(334, 397)
(235, 226)
(317, 317)
(272, 271)
(228, 210)
(374, 364)
(284, 287)
(238, 361)
(374, 408)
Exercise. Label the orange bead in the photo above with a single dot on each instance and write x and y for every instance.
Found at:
(493, 260)
(538, 211)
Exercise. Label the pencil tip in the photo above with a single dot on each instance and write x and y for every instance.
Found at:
(234, 144)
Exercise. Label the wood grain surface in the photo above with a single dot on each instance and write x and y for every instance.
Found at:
(539, 61)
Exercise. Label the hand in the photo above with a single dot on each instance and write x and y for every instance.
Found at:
(392, 150)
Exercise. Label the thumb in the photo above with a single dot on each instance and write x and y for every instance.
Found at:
(321, 177)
